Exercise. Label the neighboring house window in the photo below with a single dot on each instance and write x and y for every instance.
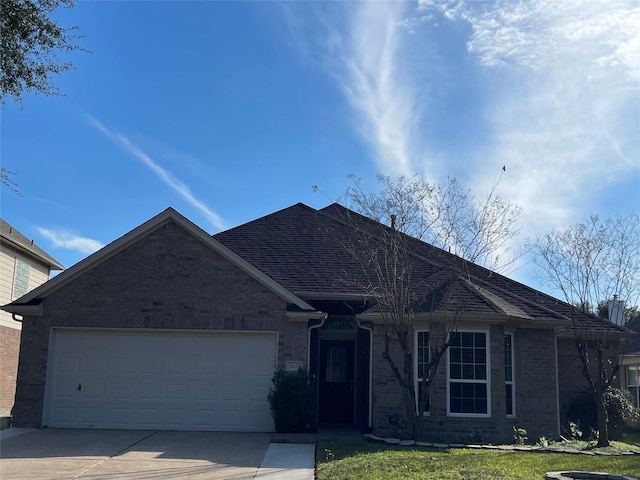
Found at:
(468, 374)
(422, 364)
(633, 383)
(20, 279)
(509, 382)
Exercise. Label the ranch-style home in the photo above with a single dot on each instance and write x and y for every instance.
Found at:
(168, 327)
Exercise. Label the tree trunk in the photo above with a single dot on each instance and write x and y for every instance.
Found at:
(603, 421)
(413, 424)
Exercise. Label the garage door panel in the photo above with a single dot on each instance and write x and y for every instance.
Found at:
(161, 380)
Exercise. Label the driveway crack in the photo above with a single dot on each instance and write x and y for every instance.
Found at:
(114, 455)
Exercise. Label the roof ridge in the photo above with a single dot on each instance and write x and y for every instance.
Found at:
(269, 215)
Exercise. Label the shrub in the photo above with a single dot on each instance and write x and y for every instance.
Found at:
(582, 412)
(519, 435)
(292, 401)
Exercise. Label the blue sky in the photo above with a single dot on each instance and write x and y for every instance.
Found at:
(228, 111)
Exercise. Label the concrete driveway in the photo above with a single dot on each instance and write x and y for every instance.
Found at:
(126, 454)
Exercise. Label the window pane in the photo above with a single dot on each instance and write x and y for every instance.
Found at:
(508, 374)
(456, 389)
(456, 371)
(468, 398)
(467, 339)
(336, 364)
(633, 376)
(467, 355)
(635, 391)
(455, 354)
(480, 390)
(423, 354)
(468, 372)
(480, 339)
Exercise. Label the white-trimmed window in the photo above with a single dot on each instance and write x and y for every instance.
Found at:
(468, 374)
(509, 376)
(633, 383)
(421, 367)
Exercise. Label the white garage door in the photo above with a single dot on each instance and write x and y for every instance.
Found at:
(160, 380)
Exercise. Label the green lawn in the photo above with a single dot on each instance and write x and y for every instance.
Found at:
(374, 461)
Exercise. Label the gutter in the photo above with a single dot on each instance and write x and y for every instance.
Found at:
(23, 310)
(305, 316)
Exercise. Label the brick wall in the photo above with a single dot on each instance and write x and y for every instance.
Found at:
(535, 391)
(536, 387)
(168, 279)
(9, 347)
(572, 381)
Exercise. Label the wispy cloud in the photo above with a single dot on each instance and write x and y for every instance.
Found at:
(169, 179)
(361, 45)
(563, 81)
(552, 89)
(373, 82)
(69, 240)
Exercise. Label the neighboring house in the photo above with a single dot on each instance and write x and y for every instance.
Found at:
(630, 370)
(23, 266)
(168, 327)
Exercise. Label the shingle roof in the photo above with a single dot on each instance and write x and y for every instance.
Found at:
(633, 345)
(303, 249)
(9, 234)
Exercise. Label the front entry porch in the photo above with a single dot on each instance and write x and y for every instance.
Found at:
(341, 366)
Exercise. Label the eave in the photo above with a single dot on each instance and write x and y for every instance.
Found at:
(48, 261)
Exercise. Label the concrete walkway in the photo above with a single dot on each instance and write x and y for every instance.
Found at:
(288, 461)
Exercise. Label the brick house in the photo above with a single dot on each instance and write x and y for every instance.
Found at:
(630, 370)
(23, 266)
(168, 327)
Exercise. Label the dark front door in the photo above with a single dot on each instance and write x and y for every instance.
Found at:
(336, 386)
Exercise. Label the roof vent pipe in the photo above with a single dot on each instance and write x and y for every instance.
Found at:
(616, 310)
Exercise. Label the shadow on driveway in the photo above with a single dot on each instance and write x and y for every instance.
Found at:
(125, 454)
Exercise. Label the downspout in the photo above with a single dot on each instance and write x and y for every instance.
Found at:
(555, 344)
(370, 330)
(322, 320)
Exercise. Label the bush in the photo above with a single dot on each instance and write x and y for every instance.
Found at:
(293, 401)
(583, 413)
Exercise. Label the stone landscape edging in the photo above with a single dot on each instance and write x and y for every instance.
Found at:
(510, 448)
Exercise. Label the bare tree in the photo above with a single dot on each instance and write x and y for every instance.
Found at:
(590, 262)
(409, 280)
(478, 229)
(7, 180)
